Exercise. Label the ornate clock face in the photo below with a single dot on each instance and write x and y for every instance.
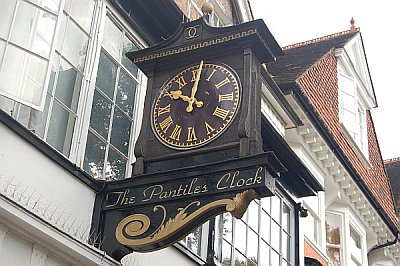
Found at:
(196, 105)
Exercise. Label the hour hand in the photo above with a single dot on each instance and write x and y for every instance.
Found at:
(178, 94)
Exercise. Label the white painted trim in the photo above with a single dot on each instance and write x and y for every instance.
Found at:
(26, 223)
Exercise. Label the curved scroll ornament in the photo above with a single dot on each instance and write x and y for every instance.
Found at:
(131, 227)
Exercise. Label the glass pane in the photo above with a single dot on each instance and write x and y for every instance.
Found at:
(125, 94)
(240, 236)
(34, 86)
(54, 66)
(266, 204)
(106, 75)
(2, 48)
(252, 245)
(252, 216)
(100, 115)
(227, 224)
(68, 85)
(6, 15)
(61, 32)
(334, 255)
(193, 241)
(276, 208)
(285, 245)
(77, 41)
(33, 29)
(20, 68)
(61, 128)
(121, 130)
(265, 226)
(33, 119)
(275, 235)
(226, 253)
(94, 156)
(240, 260)
(82, 12)
(112, 39)
(274, 258)
(285, 217)
(128, 46)
(52, 5)
(264, 254)
(333, 228)
(39, 119)
(115, 166)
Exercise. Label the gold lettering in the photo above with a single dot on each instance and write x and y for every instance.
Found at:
(221, 113)
(212, 73)
(209, 128)
(176, 133)
(166, 123)
(225, 97)
(153, 191)
(165, 109)
(122, 198)
(222, 83)
(191, 134)
(181, 82)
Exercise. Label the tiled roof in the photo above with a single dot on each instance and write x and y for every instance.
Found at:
(393, 171)
(301, 56)
(312, 67)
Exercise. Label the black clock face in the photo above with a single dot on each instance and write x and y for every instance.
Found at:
(196, 105)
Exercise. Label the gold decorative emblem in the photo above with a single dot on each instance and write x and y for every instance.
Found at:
(135, 225)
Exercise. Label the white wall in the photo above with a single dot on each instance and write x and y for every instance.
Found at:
(45, 212)
(30, 177)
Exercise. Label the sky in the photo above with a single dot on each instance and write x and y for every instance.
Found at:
(293, 21)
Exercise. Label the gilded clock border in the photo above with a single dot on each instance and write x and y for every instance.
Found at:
(157, 131)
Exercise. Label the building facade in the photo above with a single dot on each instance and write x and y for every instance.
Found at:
(71, 109)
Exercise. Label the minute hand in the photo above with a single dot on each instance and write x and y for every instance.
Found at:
(194, 90)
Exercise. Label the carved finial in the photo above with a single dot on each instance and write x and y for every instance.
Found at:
(207, 8)
(352, 28)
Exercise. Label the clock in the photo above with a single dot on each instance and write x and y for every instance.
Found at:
(195, 106)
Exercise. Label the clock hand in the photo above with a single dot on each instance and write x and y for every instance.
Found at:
(194, 90)
(178, 94)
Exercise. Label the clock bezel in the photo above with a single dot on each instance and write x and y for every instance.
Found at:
(220, 133)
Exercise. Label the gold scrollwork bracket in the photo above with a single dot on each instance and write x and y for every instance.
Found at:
(135, 225)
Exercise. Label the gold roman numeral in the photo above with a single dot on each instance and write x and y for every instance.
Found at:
(222, 83)
(181, 82)
(166, 123)
(163, 110)
(212, 73)
(209, 128)
(176, 133)
(194, 72)
(221, 113)
(191, 134)
(225, 97)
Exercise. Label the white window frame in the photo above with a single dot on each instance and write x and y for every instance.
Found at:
(105, 9)
(49, 59)
(356, 136)
(350, 220)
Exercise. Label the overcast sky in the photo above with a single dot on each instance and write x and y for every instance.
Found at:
(292, 21)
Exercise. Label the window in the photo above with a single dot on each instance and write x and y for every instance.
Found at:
(264, 236)
(334, 244)
(352, 112)
(112, 115)
(89, 112)
(27, 32)
(345, 230)
(355, 246)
